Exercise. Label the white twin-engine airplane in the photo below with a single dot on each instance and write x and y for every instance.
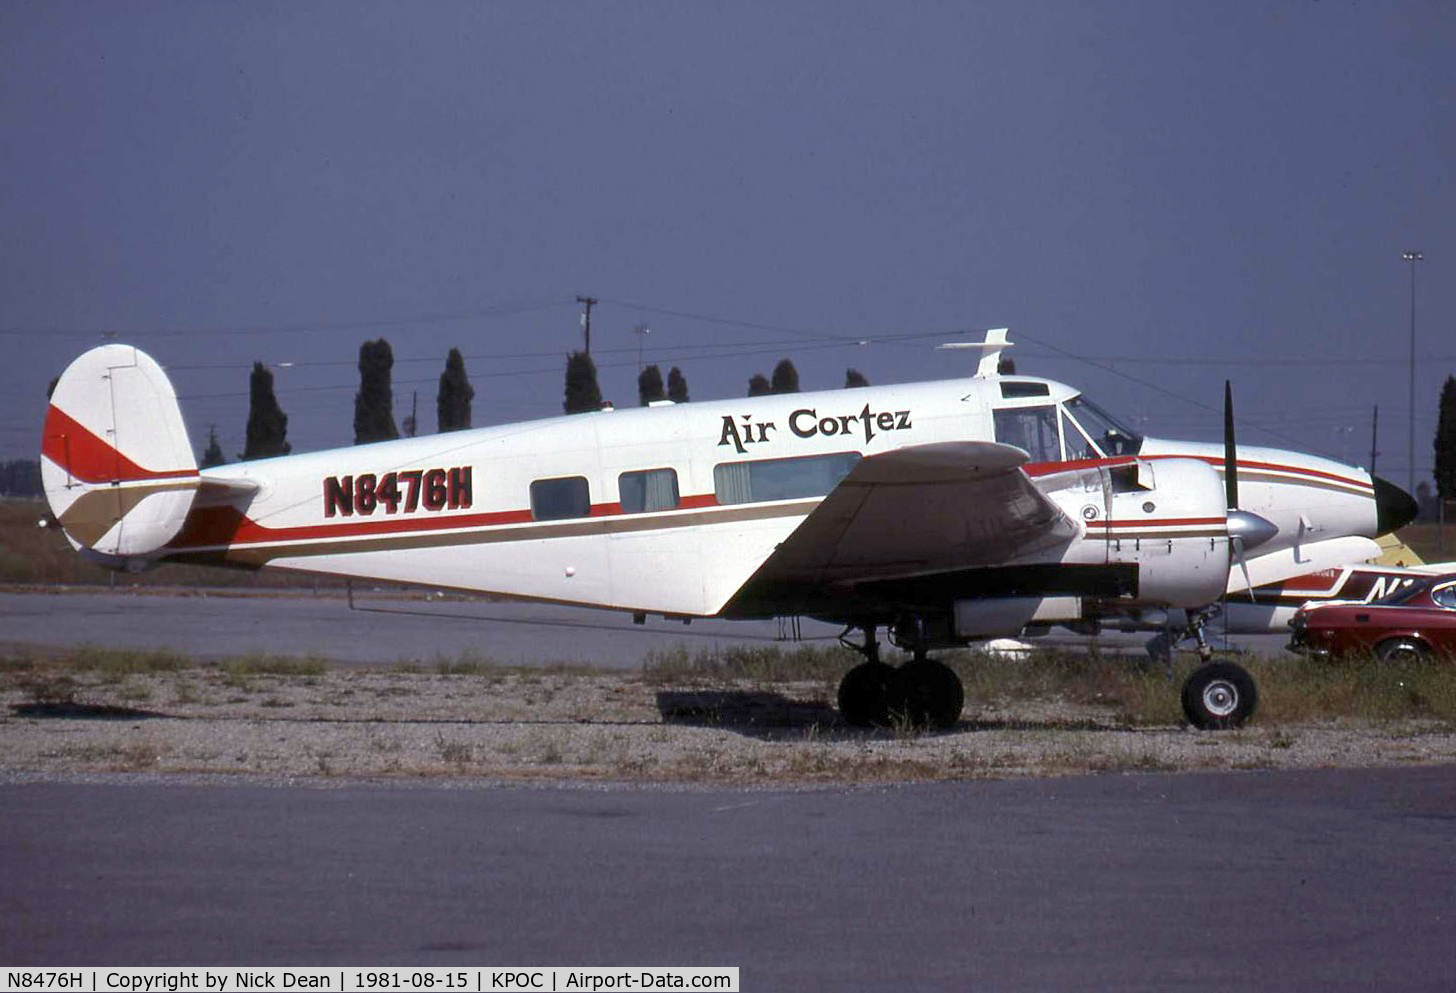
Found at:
(945, 512)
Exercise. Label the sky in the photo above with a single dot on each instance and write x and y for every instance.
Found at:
(1153, 196)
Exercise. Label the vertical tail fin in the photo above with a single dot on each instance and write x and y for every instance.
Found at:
(116, 463)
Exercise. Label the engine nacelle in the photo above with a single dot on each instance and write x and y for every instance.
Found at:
(1168, 518)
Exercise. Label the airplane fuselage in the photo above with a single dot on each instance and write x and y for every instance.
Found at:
(672, 509)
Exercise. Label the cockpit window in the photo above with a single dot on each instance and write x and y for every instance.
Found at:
(1074, 443)
(1031, 428)
(1106, 433)
(1404, 592)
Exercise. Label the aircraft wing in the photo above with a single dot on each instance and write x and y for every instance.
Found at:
(916, 511)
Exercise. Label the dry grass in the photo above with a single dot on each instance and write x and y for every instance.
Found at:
(755, 716)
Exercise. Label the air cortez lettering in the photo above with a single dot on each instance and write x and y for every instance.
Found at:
(806, 422)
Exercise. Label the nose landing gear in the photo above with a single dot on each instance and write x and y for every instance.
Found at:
(1218, 695)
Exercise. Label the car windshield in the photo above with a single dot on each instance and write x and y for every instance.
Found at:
(1106, 433)
(1404, 593)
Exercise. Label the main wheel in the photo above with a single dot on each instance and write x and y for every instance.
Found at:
(930, 694)
(864, 694)
(1402, 650)
(1219, 695)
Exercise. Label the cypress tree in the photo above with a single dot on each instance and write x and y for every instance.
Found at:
(785, 377)
(452, 407)
(1445, 443)
(649, 385)
(677, 386)
(582, 392)
(267, 423)
(759, 385)
(853, 379)
(374, 403)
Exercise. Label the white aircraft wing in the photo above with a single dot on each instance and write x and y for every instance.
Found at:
(915, 511)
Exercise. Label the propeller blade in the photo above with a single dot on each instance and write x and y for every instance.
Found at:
(1238, 546)
(1230, 449)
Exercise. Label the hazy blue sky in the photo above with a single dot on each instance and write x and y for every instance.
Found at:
(1175, 191)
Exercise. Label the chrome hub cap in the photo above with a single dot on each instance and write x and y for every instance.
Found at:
(1220, 698)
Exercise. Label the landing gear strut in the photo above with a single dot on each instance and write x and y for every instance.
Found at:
(922, 692)
(1197, 621)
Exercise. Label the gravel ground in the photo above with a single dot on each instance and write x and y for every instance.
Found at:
(595, 726)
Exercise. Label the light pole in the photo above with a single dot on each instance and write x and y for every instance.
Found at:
(641, 331)
(1412, 258)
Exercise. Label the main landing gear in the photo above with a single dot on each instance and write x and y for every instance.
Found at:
(921, 693)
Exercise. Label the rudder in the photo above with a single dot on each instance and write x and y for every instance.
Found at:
(116, 463)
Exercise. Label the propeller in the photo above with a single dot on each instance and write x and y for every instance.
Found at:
(1246, 530)
(1230, 449)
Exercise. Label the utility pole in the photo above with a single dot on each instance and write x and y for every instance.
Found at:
(589, 303)
(1374, 433)
(641, 331)
(1412, 258)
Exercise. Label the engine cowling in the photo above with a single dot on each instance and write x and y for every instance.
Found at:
(1168, 518)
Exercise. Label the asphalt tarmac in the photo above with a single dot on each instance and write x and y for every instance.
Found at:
(1327, 881)
(387, 630)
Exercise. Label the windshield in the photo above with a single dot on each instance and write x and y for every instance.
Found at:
(1106, 433)
(1405, 592)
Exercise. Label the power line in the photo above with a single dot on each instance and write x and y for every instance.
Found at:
(302, 327)
(513, 372)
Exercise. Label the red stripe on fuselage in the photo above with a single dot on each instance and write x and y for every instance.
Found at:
(1158, 522)
(1048, 468)
(213, 526)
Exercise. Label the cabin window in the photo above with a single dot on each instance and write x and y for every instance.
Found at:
(654, 489)
(780, 479)
(1032, 429)
(1444, 597)
(559, 499)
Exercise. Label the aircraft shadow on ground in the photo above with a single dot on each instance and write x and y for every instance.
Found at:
(756, 713)
(773, 716)
(71, 710)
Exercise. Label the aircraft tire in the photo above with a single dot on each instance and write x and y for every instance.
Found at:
(1219, 696)
(864, 694)
(930, 694)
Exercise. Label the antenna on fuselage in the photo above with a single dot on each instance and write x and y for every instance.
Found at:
(991, 350)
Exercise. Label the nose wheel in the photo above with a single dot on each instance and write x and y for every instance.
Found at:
(1219, 696)
(921, 693)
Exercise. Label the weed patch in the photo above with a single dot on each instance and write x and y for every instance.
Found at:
(275, 665)
(759, 664)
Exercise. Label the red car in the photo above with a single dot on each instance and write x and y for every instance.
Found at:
(1415, 622)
